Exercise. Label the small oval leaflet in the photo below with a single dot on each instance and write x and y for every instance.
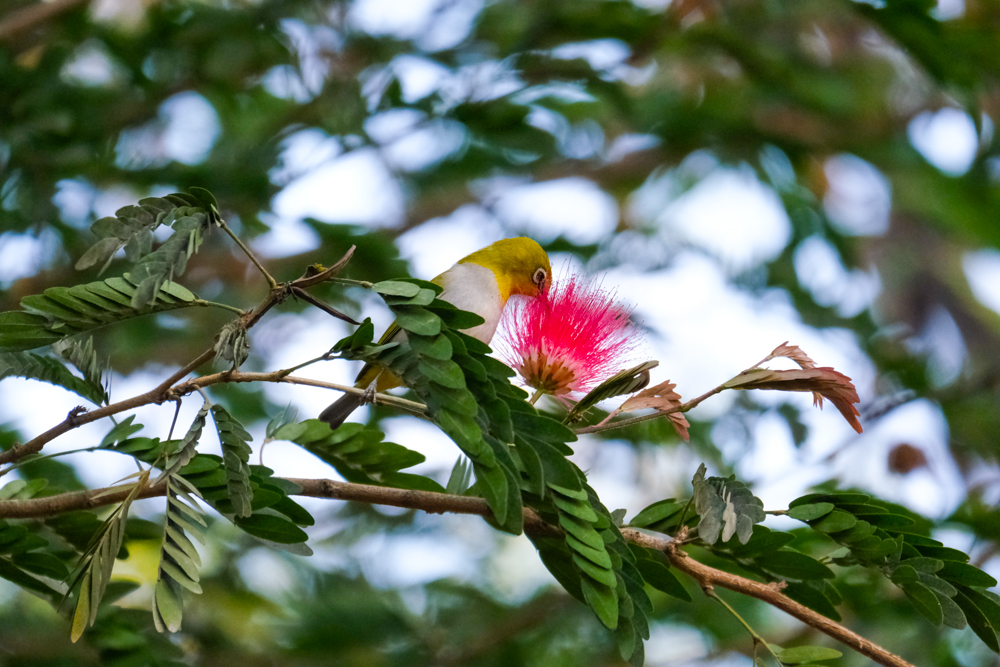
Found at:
(396, 288)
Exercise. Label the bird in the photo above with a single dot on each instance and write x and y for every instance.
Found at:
(480, 283)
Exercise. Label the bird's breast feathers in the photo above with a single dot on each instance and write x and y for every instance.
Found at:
(474, 288)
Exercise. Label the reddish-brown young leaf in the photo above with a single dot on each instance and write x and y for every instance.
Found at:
(823, 382)
(662, 397)
(793, 352)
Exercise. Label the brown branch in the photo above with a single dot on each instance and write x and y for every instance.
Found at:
(708, 577)
(439, 503)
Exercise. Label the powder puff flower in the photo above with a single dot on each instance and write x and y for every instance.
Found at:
(569, 339)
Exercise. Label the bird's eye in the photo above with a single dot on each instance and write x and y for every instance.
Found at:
(539, 277)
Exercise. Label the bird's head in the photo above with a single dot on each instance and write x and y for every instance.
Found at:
(520, 265)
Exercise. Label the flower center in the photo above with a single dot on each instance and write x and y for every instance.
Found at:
(551, 377)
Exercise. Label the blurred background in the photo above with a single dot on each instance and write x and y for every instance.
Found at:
(741, 173)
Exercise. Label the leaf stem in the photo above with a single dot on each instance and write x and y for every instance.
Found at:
(271, 282)
(216, 304)
(353, 283)
(757, 639)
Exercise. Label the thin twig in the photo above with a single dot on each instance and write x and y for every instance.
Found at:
(309, 298)
(283, 377)
(757, 639)
(271, 282)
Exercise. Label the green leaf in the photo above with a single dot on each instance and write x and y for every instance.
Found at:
(834, 522)
(121, 431)
(60, 311)
(97, 562)
(272, 528)
(801, 655)
(924, 600)
(418, 321)
(985, 627)
(44, 564)
(461, 477)
(52, 371)
(726, 507)
(656, 512)
(813, 594)
(845, 498)
(183, 450)
(623, 382)
(287, 416)
(965, 574)
(131, 228)
(810, 512)
(602, 599)
(794, 565)
(658, 575)
(235, 456)
(356, 451)
(396, 288)
(170, 259)
(167, 609)
(81, 353)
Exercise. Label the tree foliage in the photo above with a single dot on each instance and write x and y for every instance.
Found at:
(780, 91)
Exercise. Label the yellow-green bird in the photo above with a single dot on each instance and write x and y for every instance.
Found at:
(480, 283)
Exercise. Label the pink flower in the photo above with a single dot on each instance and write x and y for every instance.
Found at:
(569, 339)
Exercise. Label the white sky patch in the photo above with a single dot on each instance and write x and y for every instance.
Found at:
(390, 125)
(859, 198)
(624, 144)
(419, 77)
(433, 24)
(818, 266)
(426, 145)
(934, 491)
(401, 18)
(286, 237)
(949, 9)
(514, 569)
(23, 255)
(571, 207)
(601, 54)
(285, 82)
(705, 331)
(185, 130)
(435, 245)
(946, 138)
(732, 215)
(192, 127)
(355, 187)
(75, 199)
(110, 200)
(671, 643)
(92, 66)
(408, 560)
(303, 151)
(982, 270)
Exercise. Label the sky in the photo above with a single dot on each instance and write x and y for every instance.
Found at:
(702, 329)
